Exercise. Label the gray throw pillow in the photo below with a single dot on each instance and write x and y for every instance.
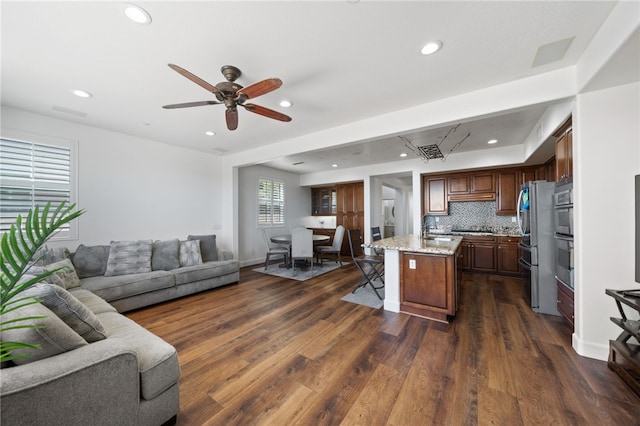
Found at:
(68, 309)
(90, 261)
(208, 248)
(190, 253)
(129, 257)
(54, 336)
(65, 277)
(165, 255)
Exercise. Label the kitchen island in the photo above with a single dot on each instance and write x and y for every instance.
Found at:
(421, 276)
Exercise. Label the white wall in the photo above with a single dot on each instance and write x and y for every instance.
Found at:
(133, 188)
(251, 246)
(606, 158)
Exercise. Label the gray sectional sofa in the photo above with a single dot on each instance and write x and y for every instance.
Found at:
(97, 366)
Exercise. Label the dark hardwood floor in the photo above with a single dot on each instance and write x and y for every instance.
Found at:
(279, 352)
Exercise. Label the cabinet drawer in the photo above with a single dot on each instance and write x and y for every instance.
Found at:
(508, 240)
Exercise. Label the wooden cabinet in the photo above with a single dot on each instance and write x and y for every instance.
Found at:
(479, 253)
(508, 190)
(428, 285)
(564, 153)
(350, 209)
(475, 186)
(508, 255)
(565, 302)
(435, 196)
(323, 201)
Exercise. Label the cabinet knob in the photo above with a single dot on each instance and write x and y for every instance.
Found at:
(559, 302)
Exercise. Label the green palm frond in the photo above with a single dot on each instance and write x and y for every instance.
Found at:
(18, 247)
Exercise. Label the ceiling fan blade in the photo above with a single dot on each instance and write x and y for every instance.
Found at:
(232, 118)
(257, 109)
(260, 88)
(191, 104)
(210, 87)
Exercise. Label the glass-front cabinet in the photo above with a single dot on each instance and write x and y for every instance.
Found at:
(323, 201)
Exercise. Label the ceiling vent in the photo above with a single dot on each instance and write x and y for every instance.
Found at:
(552, 52)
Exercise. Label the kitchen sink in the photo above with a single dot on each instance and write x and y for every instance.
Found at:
(432, 238)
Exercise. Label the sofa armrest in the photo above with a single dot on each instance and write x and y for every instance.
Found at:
(94, 384)
(225, 254)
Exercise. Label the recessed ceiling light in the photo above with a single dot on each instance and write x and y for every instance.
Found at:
(404, 154)
(81, 93)
(136, 13)
(285, 103)
(210, 133)
(492, 141)
(334, 165)
(431, 47)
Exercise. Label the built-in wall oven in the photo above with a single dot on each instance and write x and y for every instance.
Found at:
(563, 227)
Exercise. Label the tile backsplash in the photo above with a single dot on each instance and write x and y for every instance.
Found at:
(472, 215)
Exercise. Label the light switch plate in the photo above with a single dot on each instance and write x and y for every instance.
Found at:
(412, 264)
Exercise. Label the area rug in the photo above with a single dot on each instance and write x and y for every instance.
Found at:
(365, 296)
(275, 269)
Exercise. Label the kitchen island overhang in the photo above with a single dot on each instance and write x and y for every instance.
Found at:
(421, 275)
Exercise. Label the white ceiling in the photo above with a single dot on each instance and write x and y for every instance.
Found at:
(340, 62)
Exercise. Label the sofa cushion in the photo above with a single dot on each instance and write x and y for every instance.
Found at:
(65, 277)
(205, 271)
(47, 255)
(157, 360)
(90, 261)
(121, 286)
(208, 248)
(190, 253)
(69, 309)
(129, 257)
(96, 304)
(165, 255)
(53, 336)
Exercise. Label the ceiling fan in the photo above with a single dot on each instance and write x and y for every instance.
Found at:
(232, 95)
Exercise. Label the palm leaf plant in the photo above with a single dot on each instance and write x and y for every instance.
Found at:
(18, 248)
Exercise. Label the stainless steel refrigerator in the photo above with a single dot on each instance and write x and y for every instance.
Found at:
(537, 248)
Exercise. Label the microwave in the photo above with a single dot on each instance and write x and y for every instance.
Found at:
(563, 212)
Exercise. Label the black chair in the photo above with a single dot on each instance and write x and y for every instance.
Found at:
(370, 267)
(376, 235)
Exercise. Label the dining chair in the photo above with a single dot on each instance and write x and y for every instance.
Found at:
(376, 235)
(333, 249)
(370, 267)
(301, 247)
(274, 249)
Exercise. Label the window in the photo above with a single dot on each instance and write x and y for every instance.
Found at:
(34, 174)
(270, 202)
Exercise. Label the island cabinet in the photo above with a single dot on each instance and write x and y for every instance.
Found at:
(428, 285)
(479, 254)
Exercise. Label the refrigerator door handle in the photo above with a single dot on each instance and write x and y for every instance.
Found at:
(518, 212)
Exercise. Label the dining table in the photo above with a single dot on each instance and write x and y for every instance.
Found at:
(285, 239)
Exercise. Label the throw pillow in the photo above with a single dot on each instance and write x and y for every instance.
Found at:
(190, 253)
(165, 255)
(68, 309)
(208, 247)
(65, 277)
(47, 255)
(129, 257)
(53, 336)
(90, 261)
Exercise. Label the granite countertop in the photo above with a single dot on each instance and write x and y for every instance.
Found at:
(435, 244)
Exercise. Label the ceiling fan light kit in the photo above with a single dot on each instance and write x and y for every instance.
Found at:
(232, 95)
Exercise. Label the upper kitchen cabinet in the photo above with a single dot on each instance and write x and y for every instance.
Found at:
(435, 195)
(564, 153)
(323, 201)
(476, 186)
(508, 190)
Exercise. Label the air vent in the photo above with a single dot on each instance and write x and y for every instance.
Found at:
(69, 111)
(298, 163)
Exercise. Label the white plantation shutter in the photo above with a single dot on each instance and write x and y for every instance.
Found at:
(34, 174)
(270, 202)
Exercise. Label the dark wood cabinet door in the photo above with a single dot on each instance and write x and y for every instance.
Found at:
(435, 196)
(507, 196)
(483, 182)
(465, 255)
(484, 257)
(508, 255)
(459, 184)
